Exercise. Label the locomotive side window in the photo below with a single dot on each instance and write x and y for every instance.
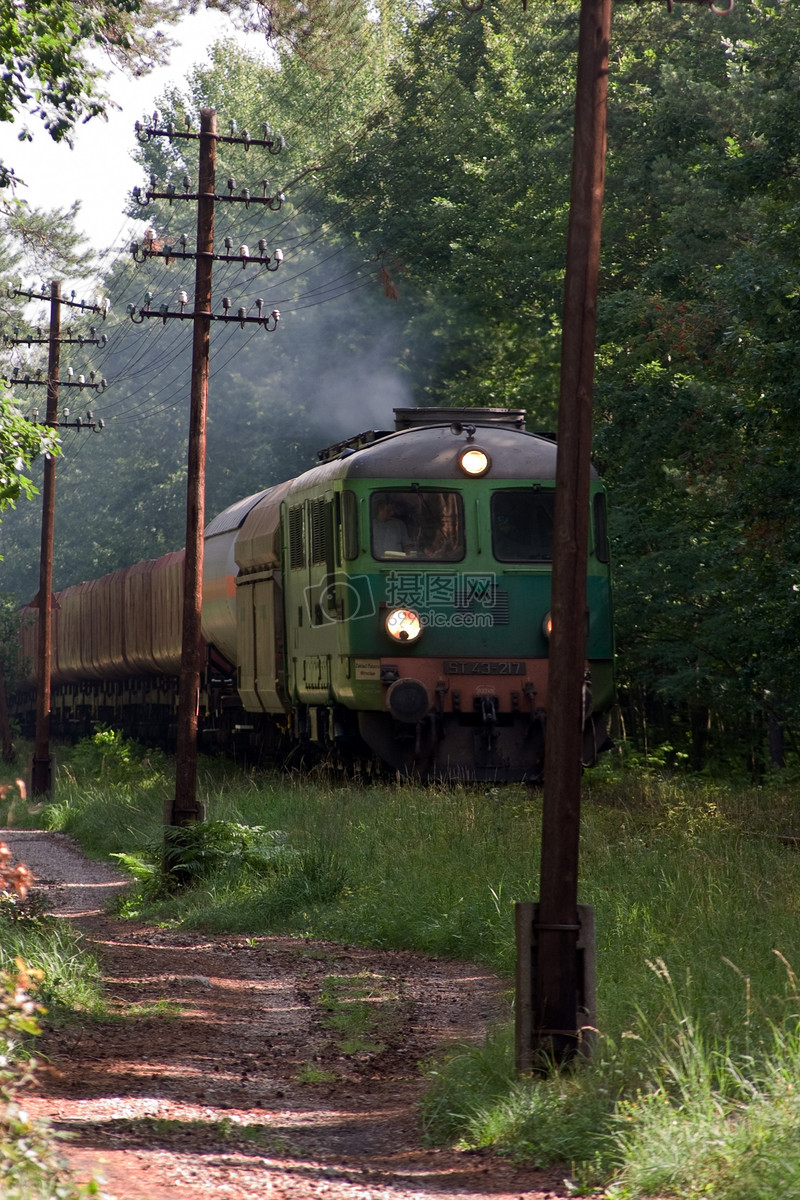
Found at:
(601, 528)
(417, 526)
(522, 526)
(350, 525)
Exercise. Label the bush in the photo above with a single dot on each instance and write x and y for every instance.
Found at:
(110, 757)
(30, 1166)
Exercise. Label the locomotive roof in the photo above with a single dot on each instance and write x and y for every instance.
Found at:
(423, 452)
(458, 419)
(431, 452)
(234, 516)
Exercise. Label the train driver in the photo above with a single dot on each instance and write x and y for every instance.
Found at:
(391, 536)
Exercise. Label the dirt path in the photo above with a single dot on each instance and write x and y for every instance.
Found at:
(257, 1067)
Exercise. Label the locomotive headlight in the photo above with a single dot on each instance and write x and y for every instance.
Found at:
(404, 625)
(547, 625)
(474, 461)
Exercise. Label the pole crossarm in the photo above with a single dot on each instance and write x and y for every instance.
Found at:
(101, 308)
(15, 339)
(81, 382)
(79, 423)
(273, 144)
(268, 322)
(168, 252)
(245, 197)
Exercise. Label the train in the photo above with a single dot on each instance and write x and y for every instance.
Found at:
(389, 606)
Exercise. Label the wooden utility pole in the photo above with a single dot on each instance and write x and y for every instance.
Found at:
(185, 808)
(557, 988)
(41, 765)
(41, 768)
(5, 725)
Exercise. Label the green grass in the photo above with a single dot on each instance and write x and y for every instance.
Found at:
(38, 961)
(710, 1117)
(696, 888)
(360, 1011)
(71, 976)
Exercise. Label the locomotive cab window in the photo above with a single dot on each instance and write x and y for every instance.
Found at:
(522, 526)
(417, 526)
(601, 549)
(350, 525)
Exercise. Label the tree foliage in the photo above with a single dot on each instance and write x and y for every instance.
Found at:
(20, 443)
(698, 369)
(274, 398)
(46, 48)
(49, 68)
(429, 161)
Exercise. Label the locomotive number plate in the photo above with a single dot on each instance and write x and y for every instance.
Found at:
(473, 666)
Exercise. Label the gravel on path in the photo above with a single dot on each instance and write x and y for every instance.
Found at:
(221, 1071)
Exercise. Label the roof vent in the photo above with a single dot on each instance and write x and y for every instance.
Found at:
(503, 418)
(350, 445)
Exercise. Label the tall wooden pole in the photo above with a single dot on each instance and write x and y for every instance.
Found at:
(41, 768)
(5, 725)
(185, 808)
(556, 1018)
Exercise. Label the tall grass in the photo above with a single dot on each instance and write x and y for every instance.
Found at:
(696, 889)
(711, 1121)
(40, 960)
(71, 976)
(30, 1165)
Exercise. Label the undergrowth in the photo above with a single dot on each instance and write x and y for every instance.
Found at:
(696, 889)
(31, 1167)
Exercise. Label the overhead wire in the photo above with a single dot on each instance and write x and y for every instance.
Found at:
(146, 408)
(163, 346)
(121, 282)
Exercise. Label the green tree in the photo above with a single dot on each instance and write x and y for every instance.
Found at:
(275, 399)
(45, 50)
(697, 383)
(46, 71)
(443, 143)
(20, 443)
(467, 180)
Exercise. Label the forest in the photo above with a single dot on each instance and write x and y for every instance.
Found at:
(426, 180)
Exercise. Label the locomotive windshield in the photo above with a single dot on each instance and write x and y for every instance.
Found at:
(417, 526)
(522, 526)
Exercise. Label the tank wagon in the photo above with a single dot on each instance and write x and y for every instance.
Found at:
(390, 604)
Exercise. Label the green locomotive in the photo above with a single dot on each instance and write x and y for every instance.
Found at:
(390, 605)
(393, 602)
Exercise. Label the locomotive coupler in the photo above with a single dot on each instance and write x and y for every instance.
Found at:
(487, 707)
(536, 722)
(441, 689)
